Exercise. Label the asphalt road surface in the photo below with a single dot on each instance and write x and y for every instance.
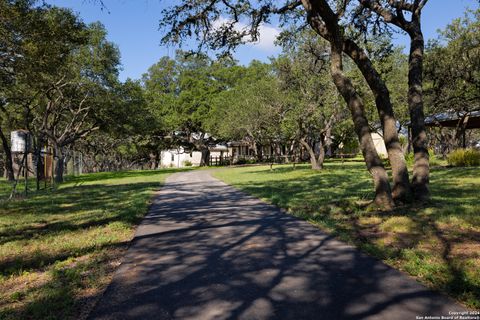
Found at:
(209, 251)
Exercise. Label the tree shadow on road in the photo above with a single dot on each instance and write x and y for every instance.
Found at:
(213, 253)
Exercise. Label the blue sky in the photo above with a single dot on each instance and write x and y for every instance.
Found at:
(133, 26)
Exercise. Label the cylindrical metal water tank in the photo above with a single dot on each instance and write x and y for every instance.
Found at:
(18, 139)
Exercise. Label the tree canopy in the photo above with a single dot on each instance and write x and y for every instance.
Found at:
(338, 76)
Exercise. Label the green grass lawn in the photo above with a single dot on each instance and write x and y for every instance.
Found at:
(439, 243)
(58, 249)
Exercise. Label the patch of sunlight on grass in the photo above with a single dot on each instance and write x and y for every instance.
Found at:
(438, 243)
(59, 248)
(398, 224)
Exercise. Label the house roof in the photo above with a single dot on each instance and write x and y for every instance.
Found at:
(451, 119)
(238, 143)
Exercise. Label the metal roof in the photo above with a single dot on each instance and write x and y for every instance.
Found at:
(451, 119)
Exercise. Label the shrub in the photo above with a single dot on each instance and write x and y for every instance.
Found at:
(410, 158)
(464, 158)
(241, 161)
(187, 163)
(433, 160)
(385, 160)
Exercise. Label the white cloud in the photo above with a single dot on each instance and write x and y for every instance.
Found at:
(268, 35)
(266, 39)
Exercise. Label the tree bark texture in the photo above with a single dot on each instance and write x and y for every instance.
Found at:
(60, 165)
(316, 159)
(325, 22)
(205, 159)
(421, 167)
(401, 185)
(383, 195)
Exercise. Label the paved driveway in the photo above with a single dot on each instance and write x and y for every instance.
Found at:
(208, 251)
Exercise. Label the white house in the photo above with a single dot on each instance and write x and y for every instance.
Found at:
(180, 157)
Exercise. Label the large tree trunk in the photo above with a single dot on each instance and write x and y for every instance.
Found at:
(325, 22)
(421, 170)
(259, 152)
(383, 195)
(205, 157)
(401, 186)
(316, 159)
(10, 175)
(421, 167)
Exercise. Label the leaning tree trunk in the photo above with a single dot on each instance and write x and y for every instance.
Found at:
(10, 175)
(205, 158)
(401, 185)
(316, 160)
(325, 22)
(383, 194)
(421, 167)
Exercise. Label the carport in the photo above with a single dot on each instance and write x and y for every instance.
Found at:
(461, 121)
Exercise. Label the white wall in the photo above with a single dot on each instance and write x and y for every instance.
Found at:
(174, 159)
(379, 144)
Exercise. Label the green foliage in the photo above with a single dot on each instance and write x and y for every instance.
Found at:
(241, 161)
(290, 100)
(464, 158)
(452, 66)
(187, 163)
(433, 159)
(410, 158)
(251, 108)
(314, 104)
(60, 75)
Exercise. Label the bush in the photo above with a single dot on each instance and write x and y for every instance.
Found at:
(433, 160)
(241, 161)
(464, 158)
(187, 163)
(385, 160)
(410, 158)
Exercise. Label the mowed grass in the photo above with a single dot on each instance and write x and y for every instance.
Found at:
(58, 249)
(438, 243)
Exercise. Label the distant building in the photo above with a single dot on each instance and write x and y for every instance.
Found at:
(182, 157)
